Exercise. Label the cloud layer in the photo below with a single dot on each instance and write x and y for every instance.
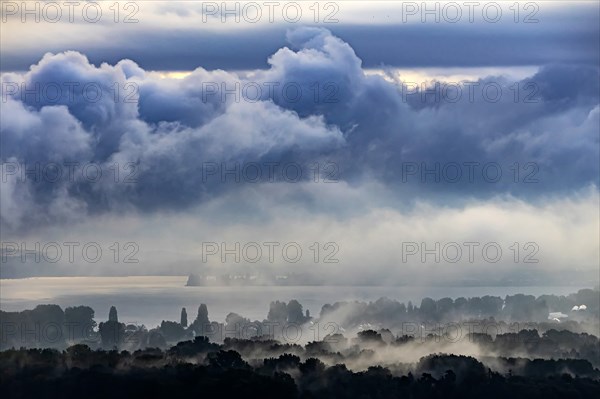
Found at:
(315, 104)
(387, 33)
(242, 151)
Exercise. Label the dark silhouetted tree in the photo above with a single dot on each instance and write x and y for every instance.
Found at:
(370, 336)
(202, 323)
(428, 309)
(79, 322)
(277, 312)
(295, 314)
(111, 333)
(172, 331)
(112, 314)
(184, 322)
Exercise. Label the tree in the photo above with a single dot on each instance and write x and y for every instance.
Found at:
(172, 331)
(203, 314)
(428, 309)
(370, 336)
(156, 340)
(50, 318)
(234, 323)
(111, 333)
(202, 323)
(79, 355)
(183, 317)
(277, 312)
(112, 314)
(444, 306)
(227, 360)
(79, 322)
(295, 314)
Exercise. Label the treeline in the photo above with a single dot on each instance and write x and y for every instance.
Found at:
(513, 308)
(203, 369)
(50, 326)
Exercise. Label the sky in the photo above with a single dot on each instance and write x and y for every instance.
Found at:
(381, 142)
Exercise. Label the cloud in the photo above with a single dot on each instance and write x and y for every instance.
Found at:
(556, 241)
(361, 129)
(380, 34)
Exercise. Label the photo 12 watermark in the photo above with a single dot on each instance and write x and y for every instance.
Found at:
(254, 12)
(69, 172)
(428, 92)
(68, 252)
(468, 251)
(452, 12)
(470, 172)
(269, 172)
(254, 91)
(269, 252)
(70, 93)
(52, 12)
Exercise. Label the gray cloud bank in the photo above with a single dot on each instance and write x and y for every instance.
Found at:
(173, 133)
(379, 33)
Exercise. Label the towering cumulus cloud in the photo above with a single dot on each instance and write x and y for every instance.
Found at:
(387, 142)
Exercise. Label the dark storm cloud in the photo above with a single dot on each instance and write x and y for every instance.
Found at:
(411, 45)
(397, 46)
(560, 35)
(168, 51)
(371, 129)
